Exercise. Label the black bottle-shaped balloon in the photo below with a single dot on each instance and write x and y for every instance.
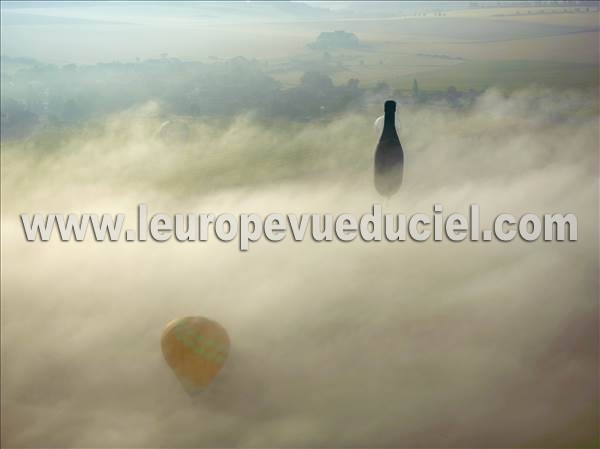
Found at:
(389, 157)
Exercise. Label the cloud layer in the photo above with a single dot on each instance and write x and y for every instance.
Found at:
(333, 344)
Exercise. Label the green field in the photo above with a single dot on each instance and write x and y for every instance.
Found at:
(507, 75)
(435, 73)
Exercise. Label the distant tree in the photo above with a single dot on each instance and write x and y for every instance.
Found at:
(335, 39)
(452, 95)
(16, 120)
(415, 89)
(72, 111)
(353, 83)
(382, 88)
(316, 80)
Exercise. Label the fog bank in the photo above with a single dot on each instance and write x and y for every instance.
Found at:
(333, 344)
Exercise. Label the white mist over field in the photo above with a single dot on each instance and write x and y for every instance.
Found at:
(433, 344)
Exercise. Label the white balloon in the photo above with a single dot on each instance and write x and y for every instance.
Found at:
(174, 132)
(378, 125)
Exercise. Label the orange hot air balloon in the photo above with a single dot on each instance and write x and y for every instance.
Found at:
(195, 348)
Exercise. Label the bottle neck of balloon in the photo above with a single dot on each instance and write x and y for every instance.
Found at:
(389, 119)
(389, 126)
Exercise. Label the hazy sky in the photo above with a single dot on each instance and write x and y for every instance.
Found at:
(90, 32)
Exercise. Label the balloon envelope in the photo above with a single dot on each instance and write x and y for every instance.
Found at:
(195, 348)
